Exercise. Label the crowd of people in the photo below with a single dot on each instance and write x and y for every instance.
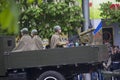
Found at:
(111, 65)
(113, 62)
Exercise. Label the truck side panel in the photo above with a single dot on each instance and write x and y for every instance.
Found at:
(60, 56)
(103, 53)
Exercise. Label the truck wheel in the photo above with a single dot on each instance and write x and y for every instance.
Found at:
(51, 75)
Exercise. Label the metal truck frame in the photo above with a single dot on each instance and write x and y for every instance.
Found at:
(50, 64)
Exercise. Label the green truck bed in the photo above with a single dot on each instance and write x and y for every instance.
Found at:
(60, 56)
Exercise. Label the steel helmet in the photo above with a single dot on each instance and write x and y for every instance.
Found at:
(56, 28)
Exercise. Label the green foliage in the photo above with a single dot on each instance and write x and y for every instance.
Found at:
(105, 10)
(44, 16)
(118, 0)
(8, 17)
(110, 12)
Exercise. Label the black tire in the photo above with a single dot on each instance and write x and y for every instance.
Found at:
(51, 75)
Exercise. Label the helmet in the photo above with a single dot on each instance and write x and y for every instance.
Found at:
(34, 31)
(24, 30)
(56, 28)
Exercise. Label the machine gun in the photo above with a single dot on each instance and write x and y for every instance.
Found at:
(85, 37)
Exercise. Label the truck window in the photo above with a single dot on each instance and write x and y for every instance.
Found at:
(9, 43)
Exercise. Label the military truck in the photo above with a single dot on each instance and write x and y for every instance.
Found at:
(49, 64)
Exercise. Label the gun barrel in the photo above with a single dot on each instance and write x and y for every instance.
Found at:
(85, 32)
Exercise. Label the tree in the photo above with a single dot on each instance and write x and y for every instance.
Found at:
(40, 15)
(8, 17)
(43, 16)
(9, 14)
(110, 12)
(118, 0)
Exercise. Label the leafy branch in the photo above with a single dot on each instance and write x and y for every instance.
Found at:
(110, 12)
(46, 15)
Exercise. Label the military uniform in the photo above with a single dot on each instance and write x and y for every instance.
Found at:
(24, 44)
(37, 43)
(55, 39)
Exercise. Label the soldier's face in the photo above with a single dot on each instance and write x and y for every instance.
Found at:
(59, 30)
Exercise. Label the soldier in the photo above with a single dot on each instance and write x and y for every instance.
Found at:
(37, 42)
(25, 42)
(55, 39)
